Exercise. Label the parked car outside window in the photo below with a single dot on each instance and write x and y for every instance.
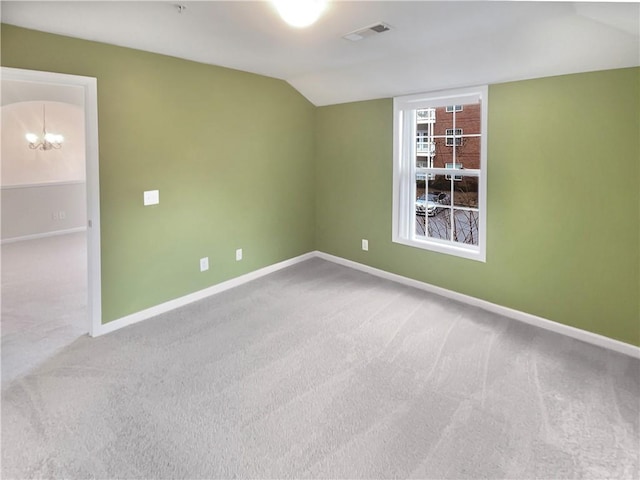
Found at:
(429, 204)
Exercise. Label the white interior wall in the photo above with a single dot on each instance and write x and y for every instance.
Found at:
(42, 192)
(24, 166)
(37, 210)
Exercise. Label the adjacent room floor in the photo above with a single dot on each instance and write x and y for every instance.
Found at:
(320, 371)
(44, 300)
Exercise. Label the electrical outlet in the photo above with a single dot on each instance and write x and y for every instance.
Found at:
(62, 214)
(54, 215)
(238, 254)
(151, 197)
(365, 245)
(204, 264)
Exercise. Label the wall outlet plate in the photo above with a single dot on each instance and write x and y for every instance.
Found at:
(151, 197)
(238, 254)
(365, 245)
(204, 264)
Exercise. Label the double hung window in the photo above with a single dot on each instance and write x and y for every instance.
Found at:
(439, 174)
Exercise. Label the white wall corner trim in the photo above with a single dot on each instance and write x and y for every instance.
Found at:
(576, 333)
(195, 296)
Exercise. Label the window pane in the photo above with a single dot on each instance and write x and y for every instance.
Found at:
(465, 192)
(425, 146)
(424, 162)
(444, 120)
(439, 225)
(440, 190)
(438, 197)
(432, 206)
(468, 152)
(468, 119)
(466, 226)
(443, 154)
(420, 205)
(420, 226)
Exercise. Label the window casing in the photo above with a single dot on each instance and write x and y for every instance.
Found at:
(439, 171)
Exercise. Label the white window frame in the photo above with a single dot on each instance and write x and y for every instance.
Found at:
(404, 170)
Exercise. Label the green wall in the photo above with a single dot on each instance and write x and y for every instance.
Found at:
(244, 161)
(563, 202)
(230, 152)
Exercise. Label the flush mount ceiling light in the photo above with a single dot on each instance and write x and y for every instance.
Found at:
(300, 13)
(46, 141)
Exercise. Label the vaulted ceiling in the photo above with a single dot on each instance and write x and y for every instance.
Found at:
(431, 45)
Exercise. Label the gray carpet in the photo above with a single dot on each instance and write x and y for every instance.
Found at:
(44, 300)
(319, 371)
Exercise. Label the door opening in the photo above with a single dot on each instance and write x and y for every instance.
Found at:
(88, 87)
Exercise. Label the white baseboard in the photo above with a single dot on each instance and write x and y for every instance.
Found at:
(550, 325)
(583, 335)
(43, 235)
(194, 297)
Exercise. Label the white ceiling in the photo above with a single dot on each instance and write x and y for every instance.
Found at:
(16, 91)
(432, 45)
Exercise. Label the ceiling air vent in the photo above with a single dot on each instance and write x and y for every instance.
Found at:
(367, 32)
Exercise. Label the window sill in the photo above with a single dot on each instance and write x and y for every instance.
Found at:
(469, 253)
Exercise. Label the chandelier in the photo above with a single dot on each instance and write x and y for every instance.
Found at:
(46, 141)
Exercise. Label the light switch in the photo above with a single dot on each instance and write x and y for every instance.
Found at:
(151, 197)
